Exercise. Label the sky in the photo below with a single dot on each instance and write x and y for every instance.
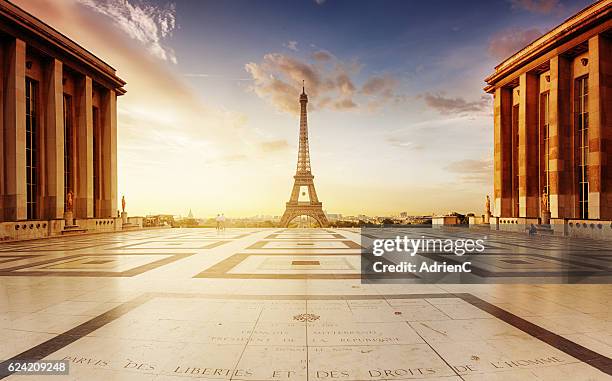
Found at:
(398, 119)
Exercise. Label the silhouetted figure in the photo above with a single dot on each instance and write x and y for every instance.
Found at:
(532, 230)
(222, 220)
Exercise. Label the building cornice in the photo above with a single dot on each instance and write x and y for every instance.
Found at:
(13, 18)
(582, 21)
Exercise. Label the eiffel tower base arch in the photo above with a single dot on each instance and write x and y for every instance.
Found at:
(311, 211)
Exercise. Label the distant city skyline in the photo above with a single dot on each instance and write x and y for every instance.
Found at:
(399, 120)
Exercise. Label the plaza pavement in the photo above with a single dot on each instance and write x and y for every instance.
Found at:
(277, 304)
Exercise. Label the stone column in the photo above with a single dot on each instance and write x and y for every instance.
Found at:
(14, 195)
(528, 146)
(53, 195)
(503, 152)
(109, 154)
(605, 96)
(600, 119)
(84, 142)
(560, 122)
(2, 180)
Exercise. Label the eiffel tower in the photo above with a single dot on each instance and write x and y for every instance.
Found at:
(304, 179)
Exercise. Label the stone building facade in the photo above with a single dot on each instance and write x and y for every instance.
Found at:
(553, 126)
(58, 110)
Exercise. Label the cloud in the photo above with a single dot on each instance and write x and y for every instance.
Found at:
(473, 171)
(291, 45)
(447, 105)
(509, 41)
(405, 144)
(320, 2)
(379, 85)
(330, 82)
(345, 84)
(214, 76)
(274, 145)
(322, 55)
(537, 6)
(146, 23)
(381, 90)
(344, 104)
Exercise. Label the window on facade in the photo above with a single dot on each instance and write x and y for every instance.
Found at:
(545, 149)
(581, 123)
(515, 161)
(68, 147)
(32, 153)
(96, 161)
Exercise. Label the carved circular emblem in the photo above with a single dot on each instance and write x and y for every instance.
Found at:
(306, 317)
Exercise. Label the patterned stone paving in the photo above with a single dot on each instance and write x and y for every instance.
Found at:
(275, 304)
(516, 256)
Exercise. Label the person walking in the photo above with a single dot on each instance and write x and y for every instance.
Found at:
(218, 220)
(222, 222)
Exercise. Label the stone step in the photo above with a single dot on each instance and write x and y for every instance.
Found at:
(544, 230)
(74, 229)
(129, 226)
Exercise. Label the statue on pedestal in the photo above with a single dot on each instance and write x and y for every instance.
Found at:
(68, 215)
(545, 209)
(124, 215)
(69, 201)
(487, 215)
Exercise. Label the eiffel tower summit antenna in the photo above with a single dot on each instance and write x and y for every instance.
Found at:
(303, 178)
